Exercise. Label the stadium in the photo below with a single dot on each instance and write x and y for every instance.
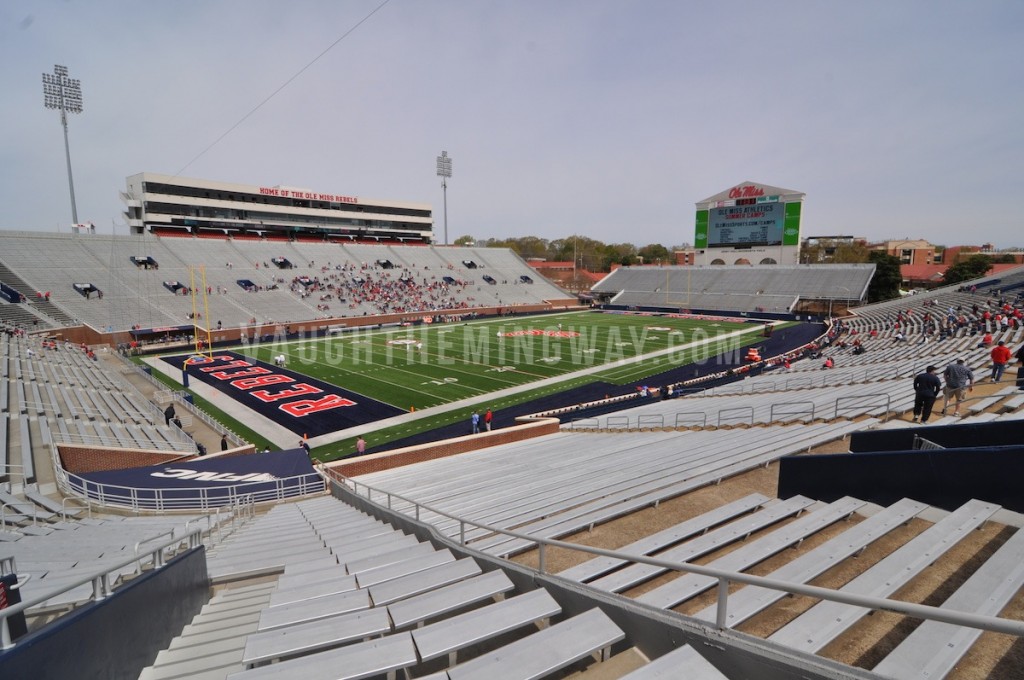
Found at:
(279, 433)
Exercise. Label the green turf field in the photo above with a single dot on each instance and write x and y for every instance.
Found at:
(434, 364)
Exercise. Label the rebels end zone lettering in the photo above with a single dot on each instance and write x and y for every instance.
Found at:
(238, 380)
(299, 403)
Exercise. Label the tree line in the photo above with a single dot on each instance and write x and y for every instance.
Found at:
(586, 252)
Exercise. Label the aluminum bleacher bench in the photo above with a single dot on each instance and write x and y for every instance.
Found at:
(313, 588)
(599, 566)
(446, 599)
(4, 453)
(542, 653)
(386, 555)
(354, 537)
(372, 546)
(51, 505)
(312, 636)
(51, 395)
(986, 402)
(414, 564)
(323, 572)
(935, 648)
(635, 574)
(1014, 402)
(750, 600)
(823, 622)
(422, 581)
(450, 635)
(380, 656)
(343, 526)
(28, 466)
(240, 566)
(297, 569)
(686, 586)
(683, 662)
(313, 609)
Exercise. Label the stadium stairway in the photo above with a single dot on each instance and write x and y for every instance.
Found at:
(317, 589)
(324, 591)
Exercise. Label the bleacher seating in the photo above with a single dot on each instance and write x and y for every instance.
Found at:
(135, 296)
(764, 288)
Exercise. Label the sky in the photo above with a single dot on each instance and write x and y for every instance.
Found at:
(604, 118)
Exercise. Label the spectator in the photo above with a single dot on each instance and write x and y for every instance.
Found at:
(1000, 357)
(959, 381)
(223, 442)
(926, 389)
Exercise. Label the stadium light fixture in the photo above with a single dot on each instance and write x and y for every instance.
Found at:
(444, 171)
(64, 94)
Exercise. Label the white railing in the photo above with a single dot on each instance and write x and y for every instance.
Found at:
(186, 498)
(724, 578)
(100, 580)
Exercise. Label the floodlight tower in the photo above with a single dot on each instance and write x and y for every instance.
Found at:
(444, 171)
(64, 94)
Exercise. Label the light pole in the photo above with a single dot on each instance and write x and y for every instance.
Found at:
(444, 171)
(64, 94)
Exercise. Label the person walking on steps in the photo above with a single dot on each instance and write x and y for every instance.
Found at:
(959, 381)
(926, 389)
(1000, 357)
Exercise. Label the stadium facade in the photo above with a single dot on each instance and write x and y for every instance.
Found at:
(749, 223)
(171, 205)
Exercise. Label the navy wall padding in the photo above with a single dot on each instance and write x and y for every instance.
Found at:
(9, 294)
(118, 636)
(214, 481)
(1005, 433)
(945, 478)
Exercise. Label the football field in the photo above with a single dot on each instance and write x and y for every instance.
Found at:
(418, 367)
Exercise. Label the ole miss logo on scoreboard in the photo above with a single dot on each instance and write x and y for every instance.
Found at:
(300, 403)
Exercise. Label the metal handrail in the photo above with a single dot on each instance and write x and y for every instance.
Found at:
(737, 410)
(158, 557)
(860, 397)
(16, 513)
(703, 417)
(724, 577)
(156, 498)
(650, 420)
(99, 579)
(771, 413)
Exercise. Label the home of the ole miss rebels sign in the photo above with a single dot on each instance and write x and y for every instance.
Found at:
(297, 402)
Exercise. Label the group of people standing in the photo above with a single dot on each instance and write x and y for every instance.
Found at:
(475, 419)
(959, 381)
